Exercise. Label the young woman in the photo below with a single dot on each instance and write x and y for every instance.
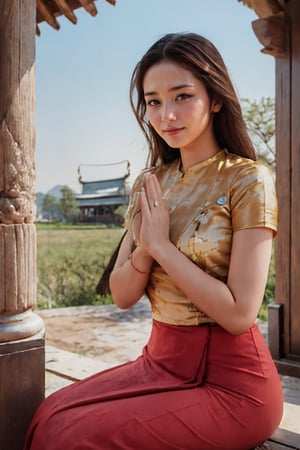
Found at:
(199, 235)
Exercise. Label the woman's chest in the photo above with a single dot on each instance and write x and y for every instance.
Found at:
(200, 219)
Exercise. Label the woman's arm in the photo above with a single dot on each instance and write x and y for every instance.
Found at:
(233, 305)
(129, 278)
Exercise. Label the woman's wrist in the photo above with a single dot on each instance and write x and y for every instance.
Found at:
(140, 262)
(161, 250)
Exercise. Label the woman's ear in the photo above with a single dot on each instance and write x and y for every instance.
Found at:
(216, 105)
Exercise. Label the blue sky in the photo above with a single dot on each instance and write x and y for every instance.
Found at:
(83, 71)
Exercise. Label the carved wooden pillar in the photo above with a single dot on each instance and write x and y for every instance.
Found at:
(21, 330)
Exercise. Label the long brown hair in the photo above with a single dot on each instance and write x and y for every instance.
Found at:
(199, 56)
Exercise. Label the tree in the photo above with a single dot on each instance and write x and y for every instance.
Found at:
(260, 119)
(50, 207)
(68, 204)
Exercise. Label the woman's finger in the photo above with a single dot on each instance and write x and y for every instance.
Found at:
(144, 203)
(153, 191)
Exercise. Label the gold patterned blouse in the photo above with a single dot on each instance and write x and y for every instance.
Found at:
(207, 203)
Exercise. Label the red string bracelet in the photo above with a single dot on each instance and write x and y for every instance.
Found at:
(135, 268)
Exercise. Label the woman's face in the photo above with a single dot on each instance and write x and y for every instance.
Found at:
(178, 106)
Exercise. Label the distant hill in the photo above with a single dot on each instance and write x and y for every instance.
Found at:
(56, 191)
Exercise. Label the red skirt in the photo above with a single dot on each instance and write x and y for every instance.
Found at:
(193, 387)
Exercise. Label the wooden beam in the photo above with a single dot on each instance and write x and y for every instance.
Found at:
(49, 10)
(22, 374)
(288, 189)
(266, 8)
(66, 10)
(282, 3)
(294, 11)
(46, 13)
(287, 438)
(283, 241)
(271, 33)
(275, 330)
(89, 7)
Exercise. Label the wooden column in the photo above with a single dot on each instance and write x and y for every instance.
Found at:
(284, 320)
(278, 29)
(21, 330)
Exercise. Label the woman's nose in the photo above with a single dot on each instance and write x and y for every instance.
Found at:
(168, 113)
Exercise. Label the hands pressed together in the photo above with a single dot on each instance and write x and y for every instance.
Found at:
(150, 233)
(152, 229)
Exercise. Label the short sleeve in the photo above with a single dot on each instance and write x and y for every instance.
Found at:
(253, 198)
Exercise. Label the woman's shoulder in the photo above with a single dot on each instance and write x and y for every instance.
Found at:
(241, 168)
(252, 190)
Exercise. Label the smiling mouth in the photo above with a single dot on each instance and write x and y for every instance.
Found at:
(172, 131)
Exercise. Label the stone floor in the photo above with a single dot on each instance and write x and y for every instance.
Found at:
(111, 336)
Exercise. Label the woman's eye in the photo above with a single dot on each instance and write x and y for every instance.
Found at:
(152, 102)
(183, 96)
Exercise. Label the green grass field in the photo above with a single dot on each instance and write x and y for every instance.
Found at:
(71, 259)
(70, 262)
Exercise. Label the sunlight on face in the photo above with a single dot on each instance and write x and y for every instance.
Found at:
(178, 107)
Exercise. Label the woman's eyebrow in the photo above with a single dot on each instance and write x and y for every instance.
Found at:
(174, 88)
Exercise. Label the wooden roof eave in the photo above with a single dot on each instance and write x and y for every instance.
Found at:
(49, 10)
(270, 27)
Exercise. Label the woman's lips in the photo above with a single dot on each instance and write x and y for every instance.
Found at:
(173, 131)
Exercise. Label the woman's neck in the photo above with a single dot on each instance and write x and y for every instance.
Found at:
(189, 157)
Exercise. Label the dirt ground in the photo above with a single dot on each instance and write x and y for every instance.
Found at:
(103, 332)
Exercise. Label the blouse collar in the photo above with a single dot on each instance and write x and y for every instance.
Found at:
(198, 166)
